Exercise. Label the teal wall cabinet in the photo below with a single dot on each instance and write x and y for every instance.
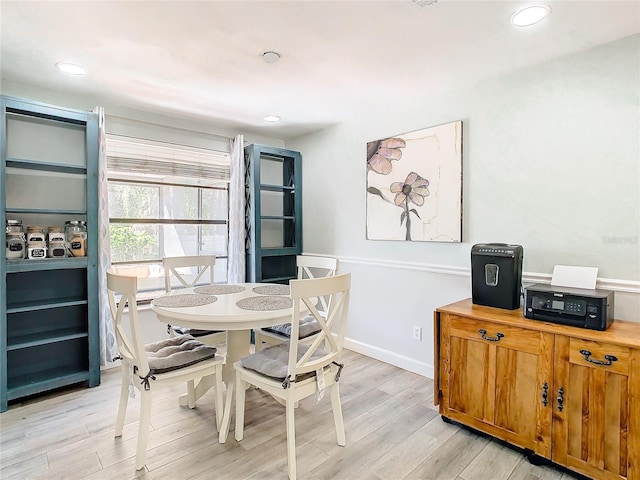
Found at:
(273, 213)
(49, 333)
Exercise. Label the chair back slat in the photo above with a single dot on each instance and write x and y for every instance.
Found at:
(206, 263)
(128, 337)
(326, 346)
(317, 267)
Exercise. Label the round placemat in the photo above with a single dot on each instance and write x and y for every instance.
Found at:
(265, 303)
(272, 290)
(219, 289)
(184, 300)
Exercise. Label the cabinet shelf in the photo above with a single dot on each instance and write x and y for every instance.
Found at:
(44, 211)
(44, 338)
(45, 166)
(278, 279)
(45, 380)
(277, 252)
(44, 305)
(277, 188)
(45, 264)
(277, 217)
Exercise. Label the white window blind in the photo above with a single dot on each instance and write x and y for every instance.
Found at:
(165, 162)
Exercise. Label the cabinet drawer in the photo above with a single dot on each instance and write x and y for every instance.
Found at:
(613, 358)
(505, 336)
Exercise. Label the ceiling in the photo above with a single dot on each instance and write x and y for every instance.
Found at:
(200, 61)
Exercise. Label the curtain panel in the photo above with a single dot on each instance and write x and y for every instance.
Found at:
(236, 262)
(108, 345)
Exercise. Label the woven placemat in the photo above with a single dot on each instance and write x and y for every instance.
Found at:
(184, 300)
(265, 303)
(272, 290)
(219, 289)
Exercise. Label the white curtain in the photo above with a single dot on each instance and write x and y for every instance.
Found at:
(108, 346)
(236, 260)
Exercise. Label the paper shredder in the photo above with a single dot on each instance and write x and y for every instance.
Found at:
(496, 275)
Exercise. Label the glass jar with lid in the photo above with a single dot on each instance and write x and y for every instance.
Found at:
(15, 241)
(76, 235)
(35, 234)
(55, 235)
(14, 226)
(15, 246)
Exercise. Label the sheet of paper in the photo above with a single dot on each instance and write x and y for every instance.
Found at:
(576, 277)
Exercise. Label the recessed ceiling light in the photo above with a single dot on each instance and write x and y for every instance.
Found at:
(270, 57)
(272, 118)
(70, 68)
(530, 15)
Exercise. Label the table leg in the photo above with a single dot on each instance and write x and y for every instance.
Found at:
(204, 385)
(238, 343)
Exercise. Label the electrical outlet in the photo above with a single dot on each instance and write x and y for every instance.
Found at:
(417, 333)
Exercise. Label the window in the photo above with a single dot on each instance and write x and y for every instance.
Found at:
(165, 200)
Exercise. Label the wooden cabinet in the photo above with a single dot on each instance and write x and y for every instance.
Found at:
(494, 380)
(273, 213)
(569, 395)
(597, 432)
(49, 335)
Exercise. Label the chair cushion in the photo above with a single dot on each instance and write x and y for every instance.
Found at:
(308, 326)
(273, 361)
(177, 352)
(194, 332)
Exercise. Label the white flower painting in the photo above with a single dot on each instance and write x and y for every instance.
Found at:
(414, 185)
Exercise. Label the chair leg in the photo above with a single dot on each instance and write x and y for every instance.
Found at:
(240, 400)
(337, 415)
(191, 394)
(124, 397)
(143, 428)
(219, 403)
(226, 418)
(291, 438)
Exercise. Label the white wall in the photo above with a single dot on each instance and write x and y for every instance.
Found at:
(551, 161)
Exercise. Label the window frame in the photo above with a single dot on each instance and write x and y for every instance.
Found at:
(136, 177)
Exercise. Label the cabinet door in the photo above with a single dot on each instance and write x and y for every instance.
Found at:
(497, 378)
(596, 404)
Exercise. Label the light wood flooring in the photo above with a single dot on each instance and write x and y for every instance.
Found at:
(393, 433)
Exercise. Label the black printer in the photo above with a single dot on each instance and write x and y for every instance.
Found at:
(578, 307)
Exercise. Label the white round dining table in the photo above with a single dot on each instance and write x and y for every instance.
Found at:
(223, 314)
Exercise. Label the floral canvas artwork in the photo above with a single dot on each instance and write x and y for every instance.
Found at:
(414, 186)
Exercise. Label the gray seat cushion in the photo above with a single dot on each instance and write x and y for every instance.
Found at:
(194, 332)
(273, 361)
(308, 326)
(177, 352)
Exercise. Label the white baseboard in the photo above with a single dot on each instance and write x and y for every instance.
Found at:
(389, 357)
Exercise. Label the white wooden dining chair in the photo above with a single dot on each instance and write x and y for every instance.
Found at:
(292, 371)
(152, 366)
(174, 267)
(308, 267)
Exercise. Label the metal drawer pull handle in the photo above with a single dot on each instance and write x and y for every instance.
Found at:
(497, 338)
(560, 399)
(609, 359)
(545, 394)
